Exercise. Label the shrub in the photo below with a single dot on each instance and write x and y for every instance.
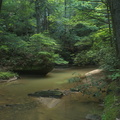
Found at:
(85, 58)
(7, 75)
(12, 48)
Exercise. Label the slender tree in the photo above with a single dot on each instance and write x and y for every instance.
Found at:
(114, 6)
(37, 10)
(0, 4)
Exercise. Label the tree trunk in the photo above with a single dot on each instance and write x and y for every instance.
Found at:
(45, 21)
(0, 4)
(38, 22)
(115, 13)
(65, 13)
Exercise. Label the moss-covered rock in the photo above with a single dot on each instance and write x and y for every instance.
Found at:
(39, 70)
(48, 93)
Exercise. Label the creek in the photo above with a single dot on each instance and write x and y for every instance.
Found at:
(15, 104)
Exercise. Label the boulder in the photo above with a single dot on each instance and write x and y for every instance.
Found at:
(117, 119)
(93, 117)
(48, 93)
(96, 74)
(41, 70)
(49, 102)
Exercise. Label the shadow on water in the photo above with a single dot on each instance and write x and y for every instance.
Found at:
(16, 105)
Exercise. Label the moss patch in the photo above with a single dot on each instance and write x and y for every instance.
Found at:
(112, 103)
(7, 75)
(48, 93)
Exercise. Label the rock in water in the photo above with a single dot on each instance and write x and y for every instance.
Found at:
(93, 117)
(48, 93)
(49, 102)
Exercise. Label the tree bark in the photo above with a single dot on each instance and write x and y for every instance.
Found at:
(38, 22)
(0, 4)
(65, 13)
(45, 21)
(115, 14)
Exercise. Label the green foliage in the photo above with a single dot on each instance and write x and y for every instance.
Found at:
(7, 75)
(92, 87)
(59, 60)
(78, 26)
(76, 78)
(13, 47)
(45, 43)
(71, 23)
(69, 26)
(98, 50)
(16, 17)
(114, 76)
(108, 59)
(85, 58)
(105, 50)
(101, 38)
(112, 105)
(11, 41)
(37, 53)
(87, 88)
(43, 48)
(111, 110)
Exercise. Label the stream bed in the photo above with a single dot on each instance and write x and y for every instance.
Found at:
(15, 104)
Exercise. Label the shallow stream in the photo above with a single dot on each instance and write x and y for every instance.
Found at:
(15, 104)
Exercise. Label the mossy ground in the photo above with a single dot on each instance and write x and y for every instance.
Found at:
(112, 102)
(7, 75)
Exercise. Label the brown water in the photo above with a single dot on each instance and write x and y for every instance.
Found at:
(22, 107)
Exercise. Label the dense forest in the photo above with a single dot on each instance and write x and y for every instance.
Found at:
(41, 34)
(38, 33)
